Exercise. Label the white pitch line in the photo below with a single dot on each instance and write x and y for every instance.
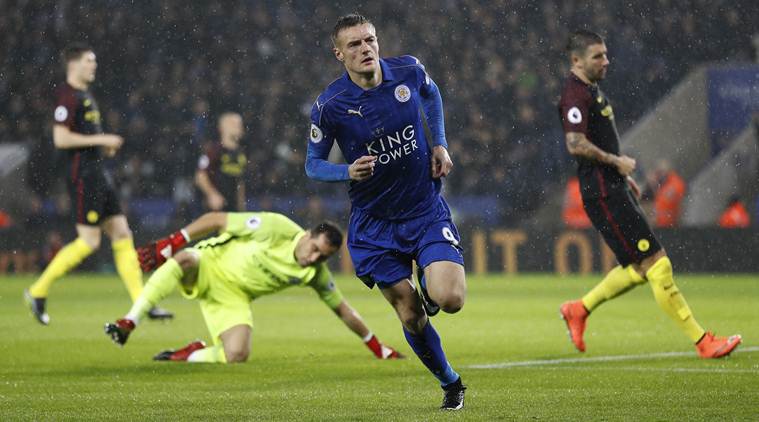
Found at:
(613, 358)
(647, 369)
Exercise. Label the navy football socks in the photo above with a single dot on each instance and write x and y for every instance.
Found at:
(430, 351)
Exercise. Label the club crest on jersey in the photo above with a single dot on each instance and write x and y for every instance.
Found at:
(253, 223)
(402, 93)
(61, 114)
(316, 134)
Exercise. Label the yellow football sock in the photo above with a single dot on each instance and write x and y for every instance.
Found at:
(64, 261)
(128, 266)
(619, 280)
(159, 285)
(213, 354)
(670, 300)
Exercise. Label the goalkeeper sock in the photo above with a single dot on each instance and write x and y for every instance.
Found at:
(64, 261)
(618, 281)
(430, 351)
(214, 354)
(372, 342)
(128, 266)
(668, 296)
(158, 287)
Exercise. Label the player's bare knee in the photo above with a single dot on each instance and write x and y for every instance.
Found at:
(236, 354)
(92, 241)
(453, 298)
(186, 260)
(649, 262)
(117, 235)
(452, 303)
(94, 244)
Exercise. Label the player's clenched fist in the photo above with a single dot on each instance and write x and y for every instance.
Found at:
(362, 168)
(441, 162)
(625, 165)
(111, 144)
(154, 254)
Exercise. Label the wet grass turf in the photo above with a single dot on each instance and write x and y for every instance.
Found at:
(306, 365)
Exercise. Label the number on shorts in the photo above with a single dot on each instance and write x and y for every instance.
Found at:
(448, 235)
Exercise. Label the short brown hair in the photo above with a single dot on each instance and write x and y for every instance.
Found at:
(581, 39)
(348, 21)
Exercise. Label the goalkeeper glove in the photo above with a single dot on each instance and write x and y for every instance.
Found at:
(380, 350)
(156, 253)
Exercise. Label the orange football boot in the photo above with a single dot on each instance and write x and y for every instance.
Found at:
(574, 315)
(711, 347)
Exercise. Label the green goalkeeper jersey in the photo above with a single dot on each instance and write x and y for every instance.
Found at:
(256, 252)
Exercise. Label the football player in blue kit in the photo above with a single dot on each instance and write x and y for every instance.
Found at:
(375, 112)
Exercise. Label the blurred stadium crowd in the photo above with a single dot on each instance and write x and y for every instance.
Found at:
(167, 69)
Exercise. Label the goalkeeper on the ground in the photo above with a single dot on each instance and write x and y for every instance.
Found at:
(255, 254)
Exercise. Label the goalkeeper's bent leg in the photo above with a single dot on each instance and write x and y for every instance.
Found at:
(214, 354)
(158, 287)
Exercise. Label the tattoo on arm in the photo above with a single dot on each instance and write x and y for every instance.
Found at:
(579, 145)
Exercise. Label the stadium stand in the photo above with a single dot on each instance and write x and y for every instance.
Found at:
(169, 67)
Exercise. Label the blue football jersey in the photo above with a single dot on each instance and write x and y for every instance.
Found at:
(386, 122)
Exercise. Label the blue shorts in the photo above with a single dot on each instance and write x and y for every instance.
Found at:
(383, 250)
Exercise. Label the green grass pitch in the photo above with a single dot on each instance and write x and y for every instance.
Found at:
(306, 365)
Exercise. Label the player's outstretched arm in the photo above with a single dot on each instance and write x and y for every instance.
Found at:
(579, 145)
(353, 321)
(207, 223)
(154, 254)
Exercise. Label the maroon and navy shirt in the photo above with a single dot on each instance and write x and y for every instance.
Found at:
(78, 111)
(226, 169)
(585, 109)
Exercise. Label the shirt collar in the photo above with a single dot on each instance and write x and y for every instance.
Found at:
(295, 241)
(387, 75)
